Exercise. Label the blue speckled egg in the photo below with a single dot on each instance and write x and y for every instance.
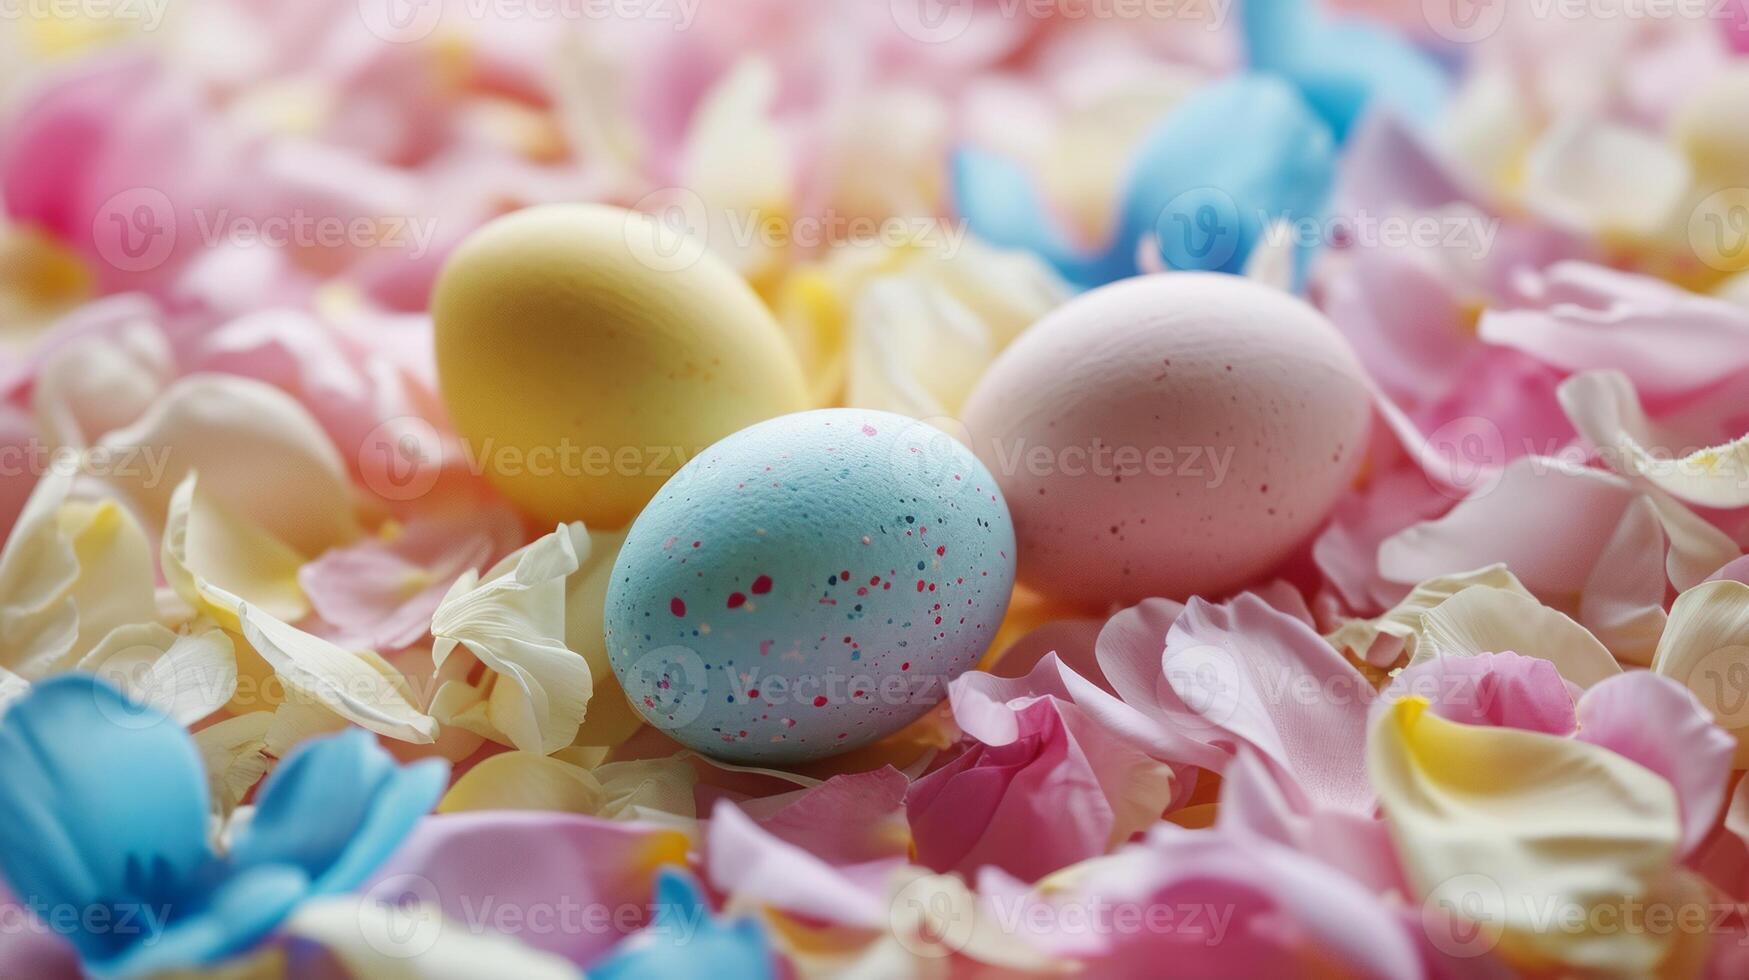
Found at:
(808, 585)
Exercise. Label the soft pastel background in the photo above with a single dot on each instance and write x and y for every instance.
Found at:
(355, 714)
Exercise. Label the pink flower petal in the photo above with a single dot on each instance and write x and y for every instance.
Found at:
(1661, 725)
(1499, 689)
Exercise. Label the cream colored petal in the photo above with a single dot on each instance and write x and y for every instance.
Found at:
(1602, 178)
(1511, 827)
(350, 684)
(12, 687)
(1403, 621)
(258, 451)
(38, 620)
(235, 754)
(525, 781)
(610, 719)
(387, 940)
(737, 164)
(643, 788)
(1606, 410)
(117, 580)
(915, 349)
(98, 384)
(513, 621)
(211, 556)
(186, 676)
(1705, 647)
(1272, 261)
(1485, 620)
(299, 719)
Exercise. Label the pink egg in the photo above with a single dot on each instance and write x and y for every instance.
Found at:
(1170, 435)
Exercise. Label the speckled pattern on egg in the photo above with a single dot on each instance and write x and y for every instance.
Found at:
(1170, 435)
(809, 584)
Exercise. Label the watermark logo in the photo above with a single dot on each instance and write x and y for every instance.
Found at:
(932, 453)
(1473, 451)
(135, 230)
(933, 21)
(1718, 230)
(1207, 680)
(1199, 229)
(669, 230)
(1721, 680)
(1464, 21)
(1465, 915)
(413, 922)
(933, 917)
(401, 21)
(401, 459)
(669, 685)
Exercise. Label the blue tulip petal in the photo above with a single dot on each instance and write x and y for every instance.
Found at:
(102, 802)
(1002, 206)
(335, 808)
(1342, 65)
(401, 802)
(240, 913)
(1230, 160)
(683, 941)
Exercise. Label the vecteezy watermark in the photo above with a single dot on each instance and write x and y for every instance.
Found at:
(1204, 228)
(403, 916)
(1721, 681)
(138, 230)
(410, 21)
(1468, 915)
(943, 21)
(671, 685)
(141, 465)
(403, 458)
(934, 916)
(146, 15)
(1469, 21)
(1718, 230)
(1469, 233)
(1101, 460)
(30, 915)
(673, 227)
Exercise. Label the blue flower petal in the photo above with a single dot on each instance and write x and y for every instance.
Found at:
(336, 808)
(1230, 160)
(244, 909)
(683, 941)
(103, 804)
(1342, 65)
(1001, 205)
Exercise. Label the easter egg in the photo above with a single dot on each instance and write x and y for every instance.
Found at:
(586, 352)
(808, 585)
(1169, 435)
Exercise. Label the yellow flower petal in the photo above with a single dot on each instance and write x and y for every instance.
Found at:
(1522, 832)
(215, 559)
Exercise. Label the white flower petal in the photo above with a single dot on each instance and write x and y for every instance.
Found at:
(1606, 410)
(513, 621)
(349, 684)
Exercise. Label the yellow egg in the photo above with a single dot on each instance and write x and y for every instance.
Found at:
(1713, 129)
(585, 352)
